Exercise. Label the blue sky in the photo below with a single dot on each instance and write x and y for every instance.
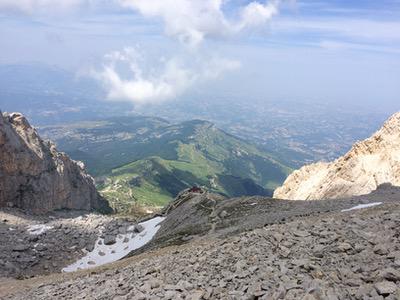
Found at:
(347, 51)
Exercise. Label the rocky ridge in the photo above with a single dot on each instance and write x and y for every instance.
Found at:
(201, 214)
(36, 177)
(45, 244)
(335, 255)
(368, 164)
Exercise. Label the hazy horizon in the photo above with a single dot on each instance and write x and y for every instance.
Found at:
(149, 52)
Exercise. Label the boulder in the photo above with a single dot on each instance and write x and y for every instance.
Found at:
(385, 288)
(109, 240)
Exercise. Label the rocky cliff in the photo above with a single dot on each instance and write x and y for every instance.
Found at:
(368, 164)
(36, 177)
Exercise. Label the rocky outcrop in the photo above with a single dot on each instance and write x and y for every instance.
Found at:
(337, 255)
(198, 213)
(36, 177)
(368, 164)
(44, 244)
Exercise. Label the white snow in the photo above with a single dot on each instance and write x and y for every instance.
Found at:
(38, 229)
(361, 206)
(119, 249)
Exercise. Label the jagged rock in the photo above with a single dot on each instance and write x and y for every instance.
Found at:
(21, 247)
(138, 228)
(89, 247)
(41, 247)
(369, 164)
(109, 240)
(344, 247)
(36, 177)
(391, 274)
(196, 295)
(385, 288)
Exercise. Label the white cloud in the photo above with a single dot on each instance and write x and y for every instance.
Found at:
(191, 21)
(139, 85)
(126, 76)
(256, 14)
(35, 6)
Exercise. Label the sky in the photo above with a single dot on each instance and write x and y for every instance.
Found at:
(152, 51)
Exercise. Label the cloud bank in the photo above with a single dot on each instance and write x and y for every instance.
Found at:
(126, 78)
(191, 21)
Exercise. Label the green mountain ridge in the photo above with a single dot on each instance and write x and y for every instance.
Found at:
(149, 161)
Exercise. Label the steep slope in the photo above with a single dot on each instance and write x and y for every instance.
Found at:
(36, 177)
(249, 248)
(368, 164)
(147, 160)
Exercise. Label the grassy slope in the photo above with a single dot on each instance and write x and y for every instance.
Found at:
(205, 156)
(148, 160)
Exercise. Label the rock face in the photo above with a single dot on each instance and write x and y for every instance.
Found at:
(34, 176)
(367, 165)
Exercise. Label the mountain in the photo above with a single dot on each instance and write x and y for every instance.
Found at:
(297, 132)
(367, 165)
(148, 160)
(36, 177)
(109, 143)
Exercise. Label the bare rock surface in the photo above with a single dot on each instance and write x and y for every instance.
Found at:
(333, 255)
(209, 247)
(368, 164)
(203, 214)
(36, 177)
(44, 244)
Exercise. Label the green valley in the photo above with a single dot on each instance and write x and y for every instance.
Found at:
(145, 160)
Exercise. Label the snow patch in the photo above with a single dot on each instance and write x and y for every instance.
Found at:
(361, 206)
(38, 229)
(104, 254)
